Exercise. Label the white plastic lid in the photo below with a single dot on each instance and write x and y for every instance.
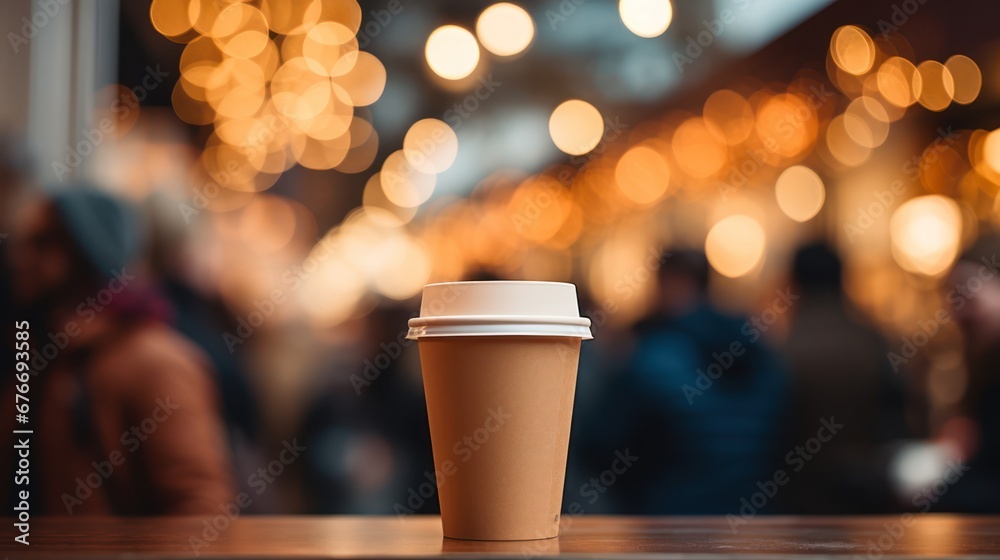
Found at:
(499, 308)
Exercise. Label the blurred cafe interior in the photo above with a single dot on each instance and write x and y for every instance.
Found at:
(780, 215)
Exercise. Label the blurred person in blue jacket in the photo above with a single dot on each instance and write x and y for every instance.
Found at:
(700, 404)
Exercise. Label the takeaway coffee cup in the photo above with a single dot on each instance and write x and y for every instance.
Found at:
(499, 363)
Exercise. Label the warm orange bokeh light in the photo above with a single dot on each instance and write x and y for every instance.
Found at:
(576, 127)
(852, 50)
(936, 86)
(897, 80)
(729, 116)
(642, 175)
(735, 245)
(452, 52)
(505, 29)
(800, 193)
(926, 234)
(697, 151)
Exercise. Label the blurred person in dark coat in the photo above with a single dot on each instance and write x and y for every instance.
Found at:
(973, 294)
(12, 166)
(124, 412)
(367, 428)
(699, 409)
(840, 370)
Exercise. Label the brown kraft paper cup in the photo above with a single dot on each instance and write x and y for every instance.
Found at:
(499, 409)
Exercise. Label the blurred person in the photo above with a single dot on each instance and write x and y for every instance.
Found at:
(699, 408)
(123, 409)
(367, 428)
(595, 429)
(200, 314)
(973, 294)
(12, 166)
(839, 369)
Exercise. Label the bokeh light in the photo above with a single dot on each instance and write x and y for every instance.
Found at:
(430, 146)
(364, 82)
(403, 184)
(171, 22)
(539, 208)
(576, 127)
(925, 233)
(452, 52)
(800, 193)
(505, 29)
(735, 245)
(364, 147)
(897, 80)
(696, 149)
(282, 83)
(278, 82)
(240, 30)
(379, 209)
(852, 50)
(840, 140)
(287, 17)
(267, 224)
(991, 150)
(729, 116)
(968, 79)
(787, 125)
(646, 18)
(330, 293)
(936, 87)
(642, 175)
(867, 122)
(332, 46)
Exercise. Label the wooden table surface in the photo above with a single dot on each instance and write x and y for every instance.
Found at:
(582, 537)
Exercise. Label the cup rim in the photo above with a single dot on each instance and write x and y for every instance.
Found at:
(498, 319)
(519, 282)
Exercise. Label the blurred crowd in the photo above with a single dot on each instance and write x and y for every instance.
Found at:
(140, 406)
